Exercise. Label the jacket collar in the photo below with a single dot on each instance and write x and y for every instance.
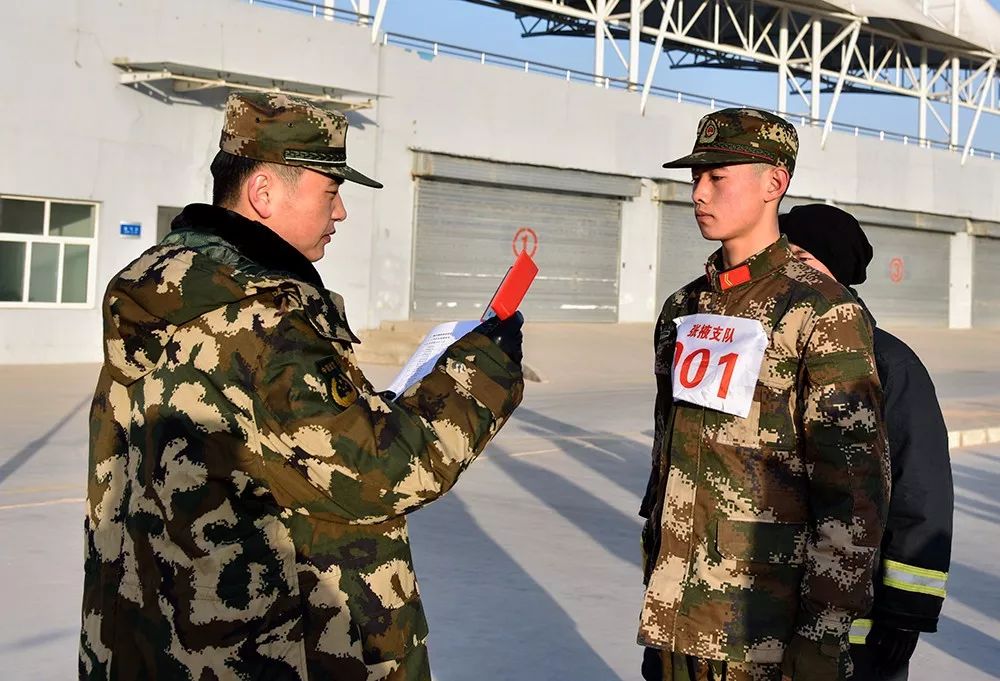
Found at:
(752, 269)
(251, 239)
(269, 253)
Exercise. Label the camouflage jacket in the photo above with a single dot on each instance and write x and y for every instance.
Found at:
(247, 486)
(764, 526)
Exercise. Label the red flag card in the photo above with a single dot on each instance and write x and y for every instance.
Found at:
(512, 289)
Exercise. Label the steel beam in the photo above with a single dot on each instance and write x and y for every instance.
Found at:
(922, 114)
(668, 8)
(817, 68)
(844, 63)
(377, 22)
(133, 77)
(364, 9)
(783, 65)
(634, 40)
(737, 30)
(599, 37)
(984, 91)
(956, 92)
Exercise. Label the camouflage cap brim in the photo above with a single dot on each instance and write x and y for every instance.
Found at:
(715, 158)
(346, 173)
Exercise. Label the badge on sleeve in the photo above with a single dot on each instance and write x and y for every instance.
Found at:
(341, 390)
(717, 361)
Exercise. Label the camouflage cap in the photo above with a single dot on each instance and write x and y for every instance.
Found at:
(732, 136)
(291, 131)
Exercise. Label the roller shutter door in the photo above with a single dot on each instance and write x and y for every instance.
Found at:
(986, 283)
(465, 240)
(908, 278)
(682, 251)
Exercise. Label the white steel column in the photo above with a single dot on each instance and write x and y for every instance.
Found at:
(956, 80)
(668, 7)
(365, 10)
(817, 62)
(328, 6)
(956, 92)
(377, 23)
(783, 65)
(634, 35)
(922, 114)
(845, 61)
(986, 86)
(599, 29)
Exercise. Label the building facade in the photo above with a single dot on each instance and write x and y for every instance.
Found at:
(478, 162)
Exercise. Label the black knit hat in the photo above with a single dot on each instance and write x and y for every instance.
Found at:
(833, 236)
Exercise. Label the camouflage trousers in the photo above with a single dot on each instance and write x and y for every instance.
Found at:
(666, 665)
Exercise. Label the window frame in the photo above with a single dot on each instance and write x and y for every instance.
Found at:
(62, 241)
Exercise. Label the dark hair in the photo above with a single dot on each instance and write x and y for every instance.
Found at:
(229, 172)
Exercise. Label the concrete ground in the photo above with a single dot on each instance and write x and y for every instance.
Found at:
(529, 569)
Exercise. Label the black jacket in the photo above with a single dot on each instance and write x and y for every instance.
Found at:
(912, 573)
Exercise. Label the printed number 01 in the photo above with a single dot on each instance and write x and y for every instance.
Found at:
(704, 358)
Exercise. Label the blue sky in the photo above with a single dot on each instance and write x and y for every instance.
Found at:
(483, 28)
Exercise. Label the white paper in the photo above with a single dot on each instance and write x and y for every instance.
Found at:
(717, 361)
(429, 351)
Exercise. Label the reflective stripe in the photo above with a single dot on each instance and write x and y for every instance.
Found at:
(910, 578)
(859, 631)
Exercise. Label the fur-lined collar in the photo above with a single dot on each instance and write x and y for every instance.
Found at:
(252, 239)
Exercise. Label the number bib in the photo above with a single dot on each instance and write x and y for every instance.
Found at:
(717, 361)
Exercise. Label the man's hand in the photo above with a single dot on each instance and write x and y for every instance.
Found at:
(505, 333)
(807, 660)
(891, 648)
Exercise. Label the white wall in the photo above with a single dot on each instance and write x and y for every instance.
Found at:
(961, 257)
(68, 129)
(637, 284)
(76, 133)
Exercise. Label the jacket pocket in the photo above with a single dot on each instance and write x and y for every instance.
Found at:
(769, 424)
(368, 570)
(757, 541)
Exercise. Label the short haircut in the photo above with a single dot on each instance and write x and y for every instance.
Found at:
(229, 172)
(761, 168)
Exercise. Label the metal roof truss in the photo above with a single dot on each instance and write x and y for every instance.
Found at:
(812, 46)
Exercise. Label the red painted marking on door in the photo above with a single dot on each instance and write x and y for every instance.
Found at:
(897, 269)
(525, 241)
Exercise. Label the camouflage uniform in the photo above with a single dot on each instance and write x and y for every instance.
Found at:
(761, 531)
(247, 485)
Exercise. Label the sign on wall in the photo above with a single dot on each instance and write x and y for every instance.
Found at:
(130, 229)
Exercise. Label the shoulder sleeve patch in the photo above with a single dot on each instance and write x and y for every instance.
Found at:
(341, 389)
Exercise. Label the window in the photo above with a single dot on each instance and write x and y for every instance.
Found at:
(164, 216)
(47, 250)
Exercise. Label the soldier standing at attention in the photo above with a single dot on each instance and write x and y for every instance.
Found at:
(769, 483)
(248, 487)
(912, 572)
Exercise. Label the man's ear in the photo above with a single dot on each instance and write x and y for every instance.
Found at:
(777, 183)
(260, 188)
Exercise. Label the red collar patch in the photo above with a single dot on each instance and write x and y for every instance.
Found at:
(734, 277)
